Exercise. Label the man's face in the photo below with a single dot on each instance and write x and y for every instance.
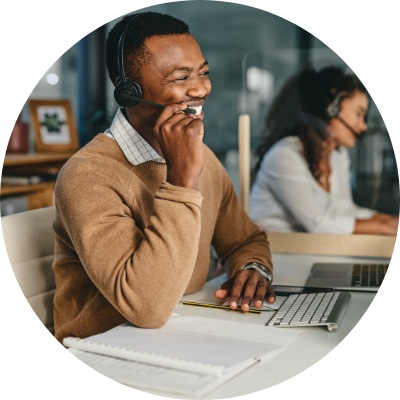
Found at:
(177, 72)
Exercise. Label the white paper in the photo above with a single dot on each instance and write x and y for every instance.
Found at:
(176, 347)
(154, 379)
(236, 330)
(228, 345)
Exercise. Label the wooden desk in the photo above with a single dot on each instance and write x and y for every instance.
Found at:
(36, 195)
(355, 245)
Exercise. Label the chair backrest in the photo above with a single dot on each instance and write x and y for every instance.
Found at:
(29, 241)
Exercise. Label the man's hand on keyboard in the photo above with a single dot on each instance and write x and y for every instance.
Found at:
(248, 285)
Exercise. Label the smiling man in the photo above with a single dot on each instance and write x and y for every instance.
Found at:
(139, 207)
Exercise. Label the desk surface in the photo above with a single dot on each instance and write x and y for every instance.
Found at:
(309, 347)
(369, 374)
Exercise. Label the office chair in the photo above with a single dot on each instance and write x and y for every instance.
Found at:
(29, 241)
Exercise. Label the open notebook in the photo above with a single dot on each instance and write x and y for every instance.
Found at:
(184, 358)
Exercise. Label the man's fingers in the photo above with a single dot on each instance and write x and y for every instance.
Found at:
(246, 286)
(236, 291)
(168, 112)
(232, 289)
(270, 295)
(260, 293)
(223, 293)
(249, 290)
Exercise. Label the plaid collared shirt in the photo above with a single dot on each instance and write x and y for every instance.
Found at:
(134, 147)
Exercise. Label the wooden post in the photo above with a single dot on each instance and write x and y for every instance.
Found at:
(244, 159)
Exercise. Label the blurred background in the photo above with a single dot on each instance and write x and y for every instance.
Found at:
(251, 53)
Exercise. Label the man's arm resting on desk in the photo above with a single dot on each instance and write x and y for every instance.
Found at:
(141, 284)
(238, 241)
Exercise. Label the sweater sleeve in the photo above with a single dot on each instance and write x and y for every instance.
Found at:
(141, 267)
(237, 240)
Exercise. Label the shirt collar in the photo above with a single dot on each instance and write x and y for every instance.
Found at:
(134, 147)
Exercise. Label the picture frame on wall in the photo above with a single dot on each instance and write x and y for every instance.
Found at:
(54, 125)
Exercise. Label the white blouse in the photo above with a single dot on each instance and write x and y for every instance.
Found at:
(286, 197)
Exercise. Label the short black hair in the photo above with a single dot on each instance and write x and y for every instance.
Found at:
(141, 27)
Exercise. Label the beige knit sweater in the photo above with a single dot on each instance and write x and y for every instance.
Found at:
(129, 245)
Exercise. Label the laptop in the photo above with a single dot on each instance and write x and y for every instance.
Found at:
(348, 276)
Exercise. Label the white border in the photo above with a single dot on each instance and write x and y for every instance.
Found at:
(34, 34)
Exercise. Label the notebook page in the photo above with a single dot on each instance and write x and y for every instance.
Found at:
(173, 348)
(236, 330)
(153, 379)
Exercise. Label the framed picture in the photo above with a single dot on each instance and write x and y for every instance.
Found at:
(54, 125)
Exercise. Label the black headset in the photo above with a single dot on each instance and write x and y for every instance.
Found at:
(127, 92)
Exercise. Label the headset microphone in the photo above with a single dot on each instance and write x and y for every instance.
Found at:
(333, 110)
(127, 92)
(356, 134)
(128, 99)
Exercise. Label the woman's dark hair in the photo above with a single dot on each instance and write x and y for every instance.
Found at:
(300, 109)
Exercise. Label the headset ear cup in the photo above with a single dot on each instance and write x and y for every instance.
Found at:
(333, 108)
(126, 92)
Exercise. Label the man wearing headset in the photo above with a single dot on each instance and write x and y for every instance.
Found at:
(139, 207)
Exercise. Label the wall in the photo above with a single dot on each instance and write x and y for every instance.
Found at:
(233, 38)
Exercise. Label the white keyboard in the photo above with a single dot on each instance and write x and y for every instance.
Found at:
(312, 309)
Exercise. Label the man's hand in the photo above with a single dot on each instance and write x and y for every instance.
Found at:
(248, 285)
(180, 137)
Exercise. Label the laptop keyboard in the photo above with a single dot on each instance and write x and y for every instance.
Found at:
(312, 309)
(368, 274)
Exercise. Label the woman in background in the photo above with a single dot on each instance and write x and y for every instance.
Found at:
(303, 176)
